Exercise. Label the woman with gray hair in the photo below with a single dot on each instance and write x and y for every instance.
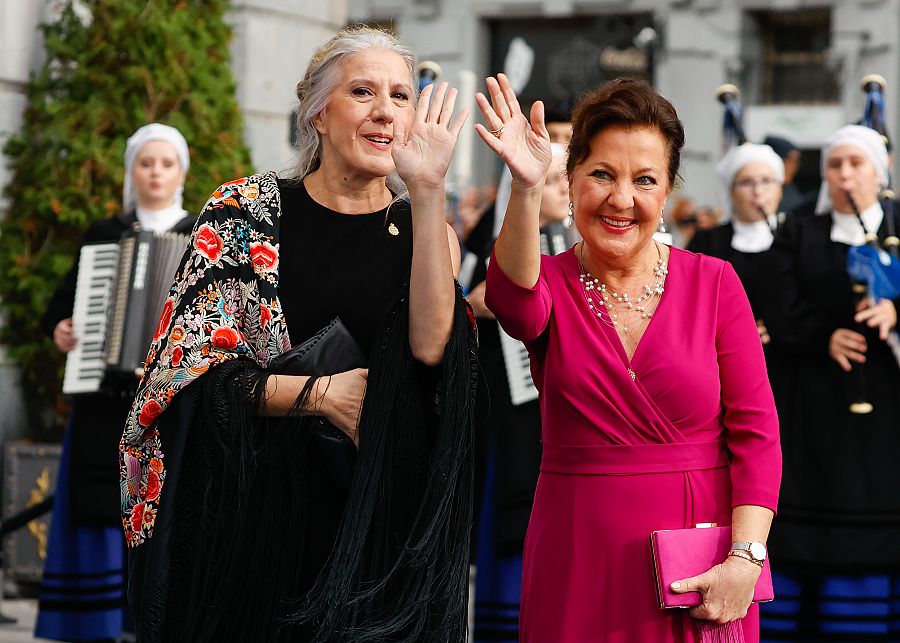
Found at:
(250, 513)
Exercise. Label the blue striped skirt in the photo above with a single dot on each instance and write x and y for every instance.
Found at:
(82, 596)
(811, 606)
(498, 579)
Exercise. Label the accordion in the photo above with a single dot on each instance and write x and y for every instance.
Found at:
(119, 294)
(555, 239)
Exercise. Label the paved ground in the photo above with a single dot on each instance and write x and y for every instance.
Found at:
(24, 610)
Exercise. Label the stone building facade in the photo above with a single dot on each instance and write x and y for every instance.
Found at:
(797, 62)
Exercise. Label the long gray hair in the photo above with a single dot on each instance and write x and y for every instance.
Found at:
(322, 76)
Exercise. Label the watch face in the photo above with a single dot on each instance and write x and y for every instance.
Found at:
(758, 551)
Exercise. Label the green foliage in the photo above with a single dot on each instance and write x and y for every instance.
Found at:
(132, 62)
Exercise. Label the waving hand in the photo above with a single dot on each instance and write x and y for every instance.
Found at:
(422, 155)
(522, 143)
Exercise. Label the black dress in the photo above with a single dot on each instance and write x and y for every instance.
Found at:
(835, 543)
(356, 252)
(359, 252)
(840, 496)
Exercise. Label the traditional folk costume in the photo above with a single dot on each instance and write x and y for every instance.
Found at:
(83, 585)
(836, 542)
(747, 246)
(238, 530)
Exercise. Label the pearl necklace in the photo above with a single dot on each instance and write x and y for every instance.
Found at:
(608, 300)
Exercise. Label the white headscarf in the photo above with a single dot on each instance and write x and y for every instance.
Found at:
(504, 187)
(864, 138)
(145, 134)
(736, 159)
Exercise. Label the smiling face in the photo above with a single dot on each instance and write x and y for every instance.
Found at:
(357, 125)
(755, 189)
(849, 169)
(619, 191)
(156, 174)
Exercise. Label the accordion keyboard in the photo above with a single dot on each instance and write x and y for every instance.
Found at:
(85, 364)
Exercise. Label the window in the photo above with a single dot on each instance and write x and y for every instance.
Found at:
(793, 50)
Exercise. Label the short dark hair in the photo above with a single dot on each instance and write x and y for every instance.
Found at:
(627, 102)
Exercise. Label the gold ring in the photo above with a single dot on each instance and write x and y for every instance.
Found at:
(497, 132)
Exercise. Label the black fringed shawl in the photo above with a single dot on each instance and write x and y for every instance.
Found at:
(222, 554)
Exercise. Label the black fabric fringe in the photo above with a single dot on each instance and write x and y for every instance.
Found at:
(241, 514)
(399, 571)
(256, 541)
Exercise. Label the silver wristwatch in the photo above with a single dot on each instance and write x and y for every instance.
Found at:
(757, 550)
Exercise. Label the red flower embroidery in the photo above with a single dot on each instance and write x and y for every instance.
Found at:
(162, 328)
(264, 257)
(177, 354)
(225, 337)
(153, 485)
(149, 412)
(177, 335)
(265, 315)
(208, 243)
(137, 517)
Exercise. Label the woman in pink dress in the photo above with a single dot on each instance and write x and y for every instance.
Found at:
(655, 405)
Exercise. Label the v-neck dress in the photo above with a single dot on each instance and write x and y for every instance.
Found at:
(694, 434)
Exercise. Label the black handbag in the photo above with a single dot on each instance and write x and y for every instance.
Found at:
(331, 350)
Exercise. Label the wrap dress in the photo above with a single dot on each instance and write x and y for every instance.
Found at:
(691, 435)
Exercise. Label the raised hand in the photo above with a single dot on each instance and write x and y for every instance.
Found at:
(522, 143)
(422, 155)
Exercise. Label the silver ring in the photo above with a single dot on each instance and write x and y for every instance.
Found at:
(497, 132)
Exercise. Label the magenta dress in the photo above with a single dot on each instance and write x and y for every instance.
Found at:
(693, 435)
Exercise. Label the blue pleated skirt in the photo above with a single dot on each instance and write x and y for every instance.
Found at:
(498, 579)
(82, 596)
(811, 606)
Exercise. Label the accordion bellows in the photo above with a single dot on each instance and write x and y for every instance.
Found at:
(119, 294)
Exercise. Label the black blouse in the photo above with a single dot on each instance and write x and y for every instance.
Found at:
(340, 265)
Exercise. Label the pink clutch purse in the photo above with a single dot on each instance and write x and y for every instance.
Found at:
(683, 553)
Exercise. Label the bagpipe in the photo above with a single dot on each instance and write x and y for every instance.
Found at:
(733, 135)
(875, 270)
(733, 120)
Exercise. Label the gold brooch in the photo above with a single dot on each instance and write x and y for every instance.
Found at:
(393, 229)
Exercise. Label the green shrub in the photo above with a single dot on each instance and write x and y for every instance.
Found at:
(129, 63)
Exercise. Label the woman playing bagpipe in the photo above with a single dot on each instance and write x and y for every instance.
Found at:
(751, 178)
(837, 536)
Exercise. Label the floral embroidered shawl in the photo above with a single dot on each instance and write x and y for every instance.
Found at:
(222, 306)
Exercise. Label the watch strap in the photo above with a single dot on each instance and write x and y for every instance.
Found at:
(740, 553)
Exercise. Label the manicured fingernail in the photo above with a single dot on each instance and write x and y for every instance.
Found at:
(676, 585)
